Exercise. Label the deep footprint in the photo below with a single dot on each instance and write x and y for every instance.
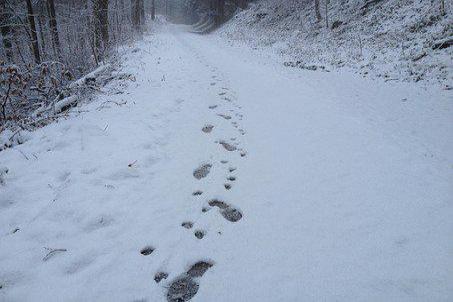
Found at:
(159, 276)
(202, 171)
(146, 251)
(185, 287)
(199, 234)
(231, 214)
(227, 117)
(228, 146)
(182, 289)
(207, 128)
(199, 269)
(218, 203)
(228, 212)
(187, 224)
(197, 193)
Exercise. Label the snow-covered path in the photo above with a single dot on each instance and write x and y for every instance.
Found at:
(303, 186)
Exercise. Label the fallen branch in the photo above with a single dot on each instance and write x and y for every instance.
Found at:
(89, 77)
(103, 105)
(443, 43)
(65, 103)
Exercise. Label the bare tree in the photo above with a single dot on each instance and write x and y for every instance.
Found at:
(442, 8)
(101, 26)
(241, 3)
(5, 28)
(142, 11)
(153, 10)
(41, 18)
(221, 10)
(33, 34)
(135, 14)
(317, 11)
(327, 13)
(53, 26)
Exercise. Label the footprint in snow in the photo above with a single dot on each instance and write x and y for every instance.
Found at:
(227, 117)
(185, 287)
(146, 251)
(159, 276)
(228, 146)
(199, 269)
(187, 224)
(207, 128)
(197, 193)
(199, 234)
(213, 106)
(227, 186)
(228, 212)
(202, 171)
(182, 289)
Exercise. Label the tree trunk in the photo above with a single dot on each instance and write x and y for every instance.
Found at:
(34, 36)
(53, 27)
(241, 3)
(442, 8)
(327, 13)
(5, 29)
(101, 25)
(153, 10)
(317, 11)
(41, 21)
(142, 12)
(221, 11)
(135, 14)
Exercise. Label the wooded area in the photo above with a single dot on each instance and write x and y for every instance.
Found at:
(46, 44)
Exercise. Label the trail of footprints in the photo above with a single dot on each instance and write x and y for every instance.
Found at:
(185, 286)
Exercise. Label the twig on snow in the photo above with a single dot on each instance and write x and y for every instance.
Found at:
(52, 252)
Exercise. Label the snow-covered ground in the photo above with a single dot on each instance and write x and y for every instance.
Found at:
(341, 187)
(390, 39)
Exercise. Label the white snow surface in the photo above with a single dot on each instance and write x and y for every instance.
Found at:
(389, 39)
(345, 187)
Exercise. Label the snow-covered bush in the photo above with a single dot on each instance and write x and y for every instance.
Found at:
(23, 90)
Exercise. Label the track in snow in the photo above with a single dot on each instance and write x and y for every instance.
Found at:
(226, 177)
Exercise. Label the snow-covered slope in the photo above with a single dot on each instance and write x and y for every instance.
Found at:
(226, 176)
(391, 39)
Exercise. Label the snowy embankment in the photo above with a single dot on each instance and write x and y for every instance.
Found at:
(393, 40)
(223, 171)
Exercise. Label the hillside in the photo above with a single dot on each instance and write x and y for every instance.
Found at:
(391, 39)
